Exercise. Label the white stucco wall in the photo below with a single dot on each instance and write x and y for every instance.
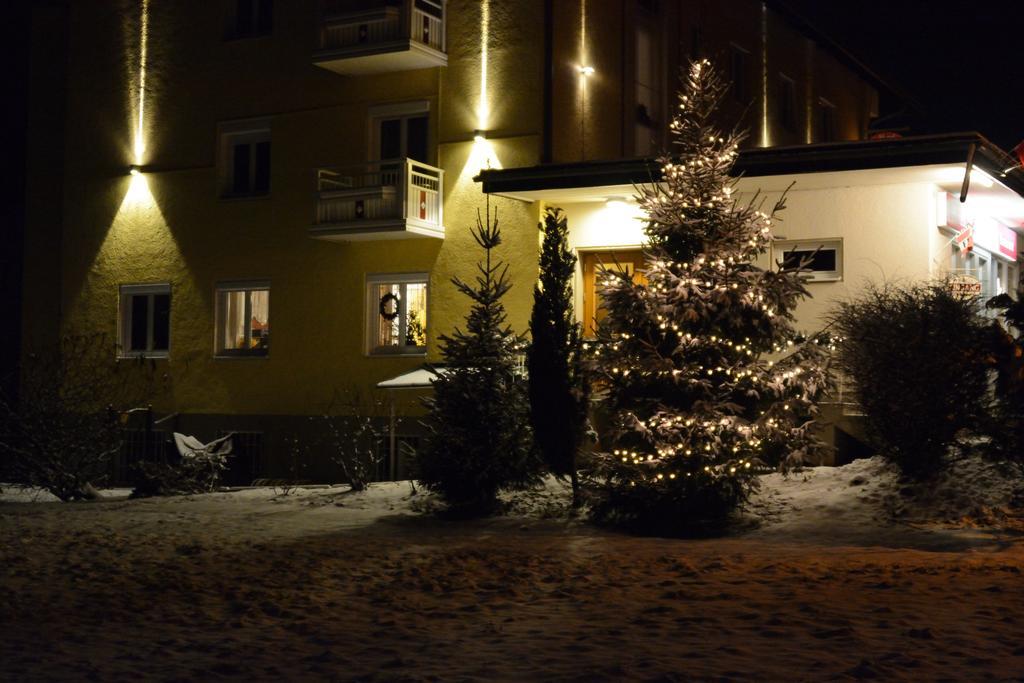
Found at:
(889, 233)
(886, 232)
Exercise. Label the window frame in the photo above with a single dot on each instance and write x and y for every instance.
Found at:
(781, 247)
(403, 112)
(221, 290)
(788, 104)
(739, 72)
(372, 311)
(124, 319)
(827, 121)
(261, 27)
(250, 132)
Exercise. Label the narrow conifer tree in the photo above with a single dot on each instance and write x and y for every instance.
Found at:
(559, 391)
(479, 440)
(699, 362)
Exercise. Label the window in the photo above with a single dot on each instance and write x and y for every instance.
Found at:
(623, 260)
(824, 258)
(250, 18)
(696, 43)
(787, 102)
(396, 307)
(243, 319)
(739, 74)
(401, 131)
(826, 120)
(145, 320)
(647, 70)
(245, 153)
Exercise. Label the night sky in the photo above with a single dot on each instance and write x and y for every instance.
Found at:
(963, 61)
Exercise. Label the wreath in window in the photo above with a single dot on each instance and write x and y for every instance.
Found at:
(389, 299)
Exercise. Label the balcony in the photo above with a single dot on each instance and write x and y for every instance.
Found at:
(380, 200)
(360, 37)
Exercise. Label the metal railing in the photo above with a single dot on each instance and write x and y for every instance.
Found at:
(402, 189)
(350, 24)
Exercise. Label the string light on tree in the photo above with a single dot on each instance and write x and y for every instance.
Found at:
(697, 403)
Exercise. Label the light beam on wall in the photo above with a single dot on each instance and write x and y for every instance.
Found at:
(585, 71)
(766, 139)
(483, 110)
(139, 146)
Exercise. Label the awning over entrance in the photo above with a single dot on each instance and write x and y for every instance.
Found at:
(577, 181)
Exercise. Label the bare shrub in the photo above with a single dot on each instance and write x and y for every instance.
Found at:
(917, 357)
(62, 429)
(352, 432)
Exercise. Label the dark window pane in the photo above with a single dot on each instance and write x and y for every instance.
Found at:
(417, 139)
(240, 168)
(828, 123)
(261, 176)
(139, 322)
(787, 103)
(696, 43)
(824, 260)
(265, 20)
(391, 139)
(738, 68)
(243, 18)
(161, 322)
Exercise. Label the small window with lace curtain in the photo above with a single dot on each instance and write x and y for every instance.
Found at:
(396, 307)
(243, 319)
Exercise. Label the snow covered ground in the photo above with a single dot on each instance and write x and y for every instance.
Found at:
(838, 574)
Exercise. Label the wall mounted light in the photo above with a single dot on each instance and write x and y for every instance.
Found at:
(585, 70)
(615, 202)
(479, 135)
(134, 170)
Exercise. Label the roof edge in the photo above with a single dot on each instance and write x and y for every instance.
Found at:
(767, 161)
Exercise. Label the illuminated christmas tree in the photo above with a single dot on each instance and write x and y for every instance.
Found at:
(704, 375)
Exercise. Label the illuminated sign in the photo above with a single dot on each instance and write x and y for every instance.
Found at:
(965, 238)
(1007, 242)
(965, 286)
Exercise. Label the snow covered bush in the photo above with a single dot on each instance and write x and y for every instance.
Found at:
(62, 429)
(1007, 428)
(683, 357)
(478, 440)
(917, 357)
(559, 387)
(197, 468)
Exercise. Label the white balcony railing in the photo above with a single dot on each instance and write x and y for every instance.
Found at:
(368, 30)
(400, 198)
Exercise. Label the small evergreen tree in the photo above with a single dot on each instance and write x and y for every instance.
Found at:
(682, 357)
(559, 391)
(479, 439)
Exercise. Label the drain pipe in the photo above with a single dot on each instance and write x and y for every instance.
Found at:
(967, 173)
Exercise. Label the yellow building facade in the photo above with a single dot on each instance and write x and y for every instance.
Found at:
(268, 200)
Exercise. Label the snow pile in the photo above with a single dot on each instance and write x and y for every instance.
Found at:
(862, 502)
(869, 494)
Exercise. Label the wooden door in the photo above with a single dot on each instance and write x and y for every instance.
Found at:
(623, 260)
